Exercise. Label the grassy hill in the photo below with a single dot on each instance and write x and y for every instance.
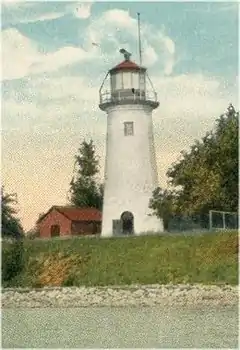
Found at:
(210, 259)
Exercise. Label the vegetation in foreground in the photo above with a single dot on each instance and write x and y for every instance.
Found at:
(208, 259)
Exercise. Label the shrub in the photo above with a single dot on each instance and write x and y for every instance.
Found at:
(58, 269)
(12, 260)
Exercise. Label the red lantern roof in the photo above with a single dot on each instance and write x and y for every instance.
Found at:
(126, 65)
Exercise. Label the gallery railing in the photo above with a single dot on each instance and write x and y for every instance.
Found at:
(127, 95)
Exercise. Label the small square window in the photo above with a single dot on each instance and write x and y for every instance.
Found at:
(128, 128)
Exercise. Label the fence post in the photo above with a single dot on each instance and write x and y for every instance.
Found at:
(224, 221)
(210, 220)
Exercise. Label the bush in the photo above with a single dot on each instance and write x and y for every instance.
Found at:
(34, 233)
(12, 260)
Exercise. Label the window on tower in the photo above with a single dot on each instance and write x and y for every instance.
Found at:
(128, 128)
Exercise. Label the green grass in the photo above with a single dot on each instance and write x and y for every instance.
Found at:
(208, 258)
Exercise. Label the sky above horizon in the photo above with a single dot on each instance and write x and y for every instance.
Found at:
(51, 74)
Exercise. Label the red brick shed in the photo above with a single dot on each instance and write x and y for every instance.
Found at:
(67, 221)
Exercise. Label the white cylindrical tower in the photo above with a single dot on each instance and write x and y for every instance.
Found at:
(130, 167)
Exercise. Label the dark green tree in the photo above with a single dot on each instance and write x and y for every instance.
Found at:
(227, 136)
(11, 226)
(207, 176)
(13, 251)
(85, 190)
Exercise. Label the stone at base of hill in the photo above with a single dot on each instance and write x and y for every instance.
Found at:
(151, 295)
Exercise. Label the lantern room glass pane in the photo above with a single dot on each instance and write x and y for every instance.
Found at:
(119, 81)
(135, 80)
(113, 82)
(142, 81)
(127, 80)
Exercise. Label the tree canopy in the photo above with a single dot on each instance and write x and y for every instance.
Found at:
(206, 177)
(11, 226)
(85, 190)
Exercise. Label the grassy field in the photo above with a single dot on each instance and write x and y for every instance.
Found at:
(208, 258)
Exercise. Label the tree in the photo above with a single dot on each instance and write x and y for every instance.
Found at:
(11, 226)
(163, 205)
(85, 191)
(227, 156)
(207, 176)
(13, 251)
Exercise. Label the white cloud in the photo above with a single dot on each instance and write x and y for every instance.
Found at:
(21, 57)
(229, 6)
(18, 54)
(22, 14)
(150, 55)
(111, 30)
(189, 105)
(169, 66)
(18, 11)
(63, 57)
(213, 7)
(50, 105)
(81, 88)
(116, 28)
(164, 45)
(169, 44)
(82, 10)
(192, 97)
(120, 18)
(45, 17)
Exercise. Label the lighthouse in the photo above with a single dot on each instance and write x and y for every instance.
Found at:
(128, 98)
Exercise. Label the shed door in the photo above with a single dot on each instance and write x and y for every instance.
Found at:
(55, 230)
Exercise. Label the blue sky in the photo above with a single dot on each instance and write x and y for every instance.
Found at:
(51, 75)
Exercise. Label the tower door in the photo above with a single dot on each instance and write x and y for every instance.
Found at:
(117, 227)
(127, 220)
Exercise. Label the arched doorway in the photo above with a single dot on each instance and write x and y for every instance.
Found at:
(55, 230)
(127, 220)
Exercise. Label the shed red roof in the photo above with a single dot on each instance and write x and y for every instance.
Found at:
(81, 214)
(75, 213)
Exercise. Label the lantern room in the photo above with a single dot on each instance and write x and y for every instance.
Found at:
(127, 83)
(128, 78)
